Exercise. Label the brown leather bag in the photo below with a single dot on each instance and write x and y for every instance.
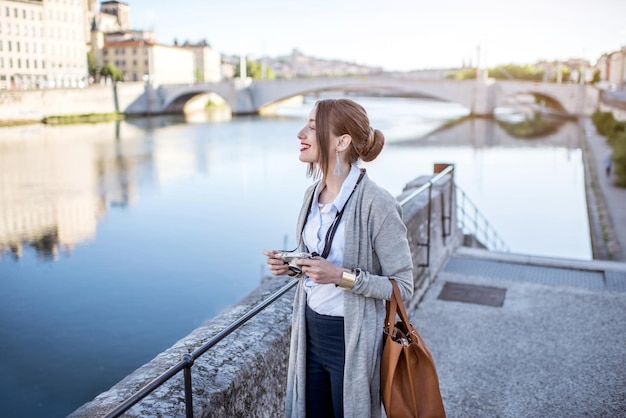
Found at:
(409, 383)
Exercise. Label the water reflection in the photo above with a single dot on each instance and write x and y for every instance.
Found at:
(57, 181)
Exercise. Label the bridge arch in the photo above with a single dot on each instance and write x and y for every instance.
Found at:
(267, 92)
(480, 96)
(377, 91)
(193, 100)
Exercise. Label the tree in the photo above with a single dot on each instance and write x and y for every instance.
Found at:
(91, 65)
(254, 70)
(109, 70)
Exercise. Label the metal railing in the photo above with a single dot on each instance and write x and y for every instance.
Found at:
(446, 218)
(187, 360)
(476, 224)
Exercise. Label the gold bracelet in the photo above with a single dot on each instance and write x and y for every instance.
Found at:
(347, 279)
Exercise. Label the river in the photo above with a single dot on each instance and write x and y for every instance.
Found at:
(118, 239)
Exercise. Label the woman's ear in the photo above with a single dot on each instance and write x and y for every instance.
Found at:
(344, 142)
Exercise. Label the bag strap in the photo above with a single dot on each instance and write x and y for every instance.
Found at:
(394, 305)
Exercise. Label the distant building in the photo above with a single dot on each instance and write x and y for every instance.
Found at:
(299, 65)
(576, 66)
(612, 67)
(207, 62)
(118, 11)
(140, 58)
(42, 44)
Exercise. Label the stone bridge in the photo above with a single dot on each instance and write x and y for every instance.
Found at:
(480, 96)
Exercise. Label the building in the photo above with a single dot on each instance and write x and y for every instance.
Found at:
(140, 60)
(207, 62)
(137, 55)
(612, 67)
(42, 44)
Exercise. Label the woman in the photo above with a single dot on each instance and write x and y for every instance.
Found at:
(339, 307)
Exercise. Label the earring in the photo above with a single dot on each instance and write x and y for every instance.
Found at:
(337, 170)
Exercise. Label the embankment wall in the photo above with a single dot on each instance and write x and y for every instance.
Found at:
(35, 105)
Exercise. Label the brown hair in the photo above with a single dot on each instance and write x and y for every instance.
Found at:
(344, 116)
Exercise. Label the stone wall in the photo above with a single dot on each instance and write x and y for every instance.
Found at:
(35, 105)
(245, 374)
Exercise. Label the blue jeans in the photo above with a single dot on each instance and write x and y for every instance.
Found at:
(325, 358)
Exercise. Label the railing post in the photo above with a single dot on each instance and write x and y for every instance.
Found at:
(438, 168)
(430, 194)
(188, 358)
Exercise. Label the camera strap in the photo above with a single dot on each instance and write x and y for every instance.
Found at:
(328, 242)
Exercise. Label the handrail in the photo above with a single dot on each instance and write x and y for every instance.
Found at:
(449, 170)
(188, 359)
(478, 226)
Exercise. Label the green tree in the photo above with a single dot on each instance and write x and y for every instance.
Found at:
(516, 72)
(109, 70)
(619, 158)
(91, 65)
(596, 76)
(254, 69)
(615, 132)
(565, 75)
(199, 76)
(463, 74)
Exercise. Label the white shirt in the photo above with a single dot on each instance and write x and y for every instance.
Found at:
(327, 299)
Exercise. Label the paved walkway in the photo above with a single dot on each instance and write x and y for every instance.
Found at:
(556, 347)
(609, 203)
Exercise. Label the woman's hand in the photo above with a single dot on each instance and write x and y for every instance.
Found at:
(321, 270)
(277, 266)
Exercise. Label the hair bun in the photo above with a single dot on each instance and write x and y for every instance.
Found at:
(373, 146)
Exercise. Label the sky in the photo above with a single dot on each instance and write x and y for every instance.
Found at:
(399, 35)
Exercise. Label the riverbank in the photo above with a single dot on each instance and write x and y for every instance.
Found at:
(605, 201)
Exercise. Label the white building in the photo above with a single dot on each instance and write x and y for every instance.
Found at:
(207, 62)
(612, 67)
(42, 44)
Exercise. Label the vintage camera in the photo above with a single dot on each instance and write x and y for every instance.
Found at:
(290, 258)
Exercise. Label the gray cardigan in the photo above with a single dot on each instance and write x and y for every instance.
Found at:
(375, 242)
